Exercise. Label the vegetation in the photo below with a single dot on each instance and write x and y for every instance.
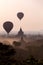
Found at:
(16, 43)
(7, 57)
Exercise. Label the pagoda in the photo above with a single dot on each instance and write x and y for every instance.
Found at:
(20, 33)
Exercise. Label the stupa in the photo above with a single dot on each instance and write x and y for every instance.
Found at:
(20, 33)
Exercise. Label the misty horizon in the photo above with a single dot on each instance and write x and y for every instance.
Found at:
(25, 32)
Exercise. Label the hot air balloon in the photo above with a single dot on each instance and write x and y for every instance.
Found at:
(20, 15)
(8, 26)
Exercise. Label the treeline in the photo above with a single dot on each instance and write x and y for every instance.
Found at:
(7, 57)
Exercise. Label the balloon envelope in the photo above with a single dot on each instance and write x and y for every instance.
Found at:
(20, 15)
(8, 26)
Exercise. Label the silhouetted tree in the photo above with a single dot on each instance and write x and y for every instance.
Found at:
(16, 43)
(7, 54)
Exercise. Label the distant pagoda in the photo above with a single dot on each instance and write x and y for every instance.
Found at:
(20, 33)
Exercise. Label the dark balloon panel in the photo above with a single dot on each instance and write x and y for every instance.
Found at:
(8, 26)
(20, 15)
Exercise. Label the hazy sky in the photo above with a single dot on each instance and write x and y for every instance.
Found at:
(33, 14)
